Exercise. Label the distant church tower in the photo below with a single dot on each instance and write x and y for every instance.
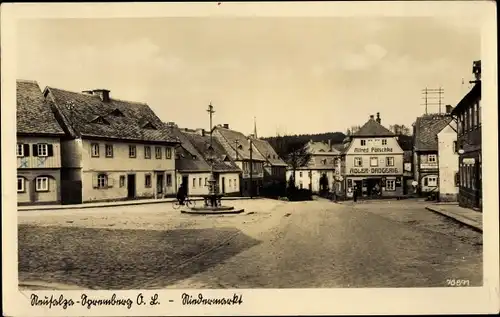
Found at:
(255, 128)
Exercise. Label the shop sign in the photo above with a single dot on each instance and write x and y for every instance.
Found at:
(374, 170)
(373, 150)
(428, 165)
(469, 161)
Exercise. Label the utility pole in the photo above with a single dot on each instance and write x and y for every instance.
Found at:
(430, 98)
(211, 111)
(251, 169)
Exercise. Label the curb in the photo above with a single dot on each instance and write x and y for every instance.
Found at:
(457, 218)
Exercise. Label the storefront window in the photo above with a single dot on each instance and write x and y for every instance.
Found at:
(390, 185)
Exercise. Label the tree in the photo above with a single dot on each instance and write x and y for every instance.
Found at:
(400, 129)
(293, 151)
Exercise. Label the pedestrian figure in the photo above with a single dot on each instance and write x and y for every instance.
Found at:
(181, 194)
(355, 193)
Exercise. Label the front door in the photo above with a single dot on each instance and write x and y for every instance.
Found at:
(223, 180)
(159, 185)
(185, 181)
(131, 186)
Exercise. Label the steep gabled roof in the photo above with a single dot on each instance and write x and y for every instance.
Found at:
(267, 151)
(473, 95)
(322, 148)
(426, 129)
(188, 158)
(373, 129)
(77, 111)
(229, 138)
(34, 115)
(222, 162)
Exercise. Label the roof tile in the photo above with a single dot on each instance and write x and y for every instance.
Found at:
(426, 129)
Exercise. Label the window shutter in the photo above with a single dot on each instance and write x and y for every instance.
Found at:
(35, 149)
(94, 180)
(426, 181)
(50, 150)
(26, 149)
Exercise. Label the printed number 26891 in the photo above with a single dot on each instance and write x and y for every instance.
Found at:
(457, 282)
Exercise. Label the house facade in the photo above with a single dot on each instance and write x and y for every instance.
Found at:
(374, 162)
(38, 147)
(467, 113)
(243, 152)
(448, 163)
(274, 166)
(113, 149)
(323, 164)
(425, 151)
(225, 170)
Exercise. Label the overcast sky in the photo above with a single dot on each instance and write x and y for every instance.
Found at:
(295, 75)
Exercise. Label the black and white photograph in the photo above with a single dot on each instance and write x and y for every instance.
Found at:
(190, 161)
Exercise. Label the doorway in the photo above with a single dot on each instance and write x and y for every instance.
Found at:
(185, 181)
(223, 185)
(159, 185)
(131, 186)
(374, 187)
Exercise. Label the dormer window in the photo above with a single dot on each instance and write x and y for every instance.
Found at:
(117, 113)
(148, 125)
(100, 120)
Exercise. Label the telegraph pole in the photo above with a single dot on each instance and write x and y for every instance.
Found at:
(251, 169)
(430, 98)
(211, 111)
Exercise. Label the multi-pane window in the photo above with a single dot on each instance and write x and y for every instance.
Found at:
(470, 118)
(168, 153)
(432, 158)
(147, 152)
(132, 151)
(158, 152)
(363, 142)
(390, 185)
(102, 181)
(384, 142)
(358, 162)
(432, 181)
(20, 184)
(42, 184)
(475, 115)
(194, 182)
(109, 150)
(389, 161)
(95, 149)
(42, 149)
(20, 149)
(373, 161)
(147, 181)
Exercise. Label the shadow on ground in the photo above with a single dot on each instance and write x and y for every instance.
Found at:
(122, 259)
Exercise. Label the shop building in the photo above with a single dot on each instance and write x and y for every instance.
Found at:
(374, 162)
(467, 113)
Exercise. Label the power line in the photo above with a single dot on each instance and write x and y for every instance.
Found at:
(433, 97)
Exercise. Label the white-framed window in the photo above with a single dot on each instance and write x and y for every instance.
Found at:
(475, 115)
(470, 118)
(363, 142)
(95, 149)
(109, 150)
(235, 184)
(194, 182)
(390, 185)
(300, 174)
(432, 158)
(230, 183)
(158, 152)
(301, 185)
(147, 152)
(20, 184)
(42, 184)
(373, 161)
(132, 151)
(102, 181)
(432, 181)
(358, 161)
(42, 149)
(384, 142)
(206, 181)
(199, 182)
(168, 153)
(389, 161)
(147, 181)
(19, 150)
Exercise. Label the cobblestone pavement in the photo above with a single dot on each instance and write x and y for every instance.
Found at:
(273, 244)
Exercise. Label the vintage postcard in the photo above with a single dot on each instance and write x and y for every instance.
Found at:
(227, 158)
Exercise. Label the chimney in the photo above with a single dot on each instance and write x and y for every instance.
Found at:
(449, 108)
(102, 93)
(378, 118)
(371, 117)
(226, 126)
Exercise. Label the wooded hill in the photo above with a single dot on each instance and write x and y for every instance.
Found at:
(335, 137)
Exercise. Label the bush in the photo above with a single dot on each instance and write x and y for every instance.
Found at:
(274, 190)
(295, 194)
